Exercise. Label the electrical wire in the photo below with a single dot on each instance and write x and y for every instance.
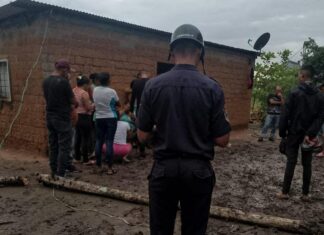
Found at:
(27, 83)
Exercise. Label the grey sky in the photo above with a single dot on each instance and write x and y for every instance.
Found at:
(229, 22)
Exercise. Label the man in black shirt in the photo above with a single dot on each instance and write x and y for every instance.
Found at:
(137, 87)
(275, 102)
(59, 100)
(187, 109)
(300, 122)
(321, 133)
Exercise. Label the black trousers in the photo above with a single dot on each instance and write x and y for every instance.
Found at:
(60, 139)
(292, 147)
(92, 139)
(188, 181)
(82, 137)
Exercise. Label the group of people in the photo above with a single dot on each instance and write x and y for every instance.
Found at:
(89, 118)
(183, 112)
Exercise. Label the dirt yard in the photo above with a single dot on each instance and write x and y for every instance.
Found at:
(248, 174)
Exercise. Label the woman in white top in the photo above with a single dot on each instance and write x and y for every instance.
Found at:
(106, 101)
(121, 147)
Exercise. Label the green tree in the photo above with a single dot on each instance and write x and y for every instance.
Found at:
(272, 70)
(314, 55)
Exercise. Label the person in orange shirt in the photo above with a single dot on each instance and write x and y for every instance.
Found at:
(84, 123)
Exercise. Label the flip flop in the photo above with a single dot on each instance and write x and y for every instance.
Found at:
(90, 163)
(111, 171)
(321, 154)
(126, 160)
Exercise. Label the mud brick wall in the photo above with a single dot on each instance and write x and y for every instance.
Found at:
(95, 47)
(19, 43)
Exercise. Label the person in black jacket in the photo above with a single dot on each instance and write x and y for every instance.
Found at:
(321, 133)
(300, 122)
(137, 87)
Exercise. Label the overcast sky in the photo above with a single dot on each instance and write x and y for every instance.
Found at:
(229, 22)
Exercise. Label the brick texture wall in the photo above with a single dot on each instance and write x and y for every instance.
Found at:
(95, 47)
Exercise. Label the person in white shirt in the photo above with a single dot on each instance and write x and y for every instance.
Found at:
(106, 101)
(121, 147)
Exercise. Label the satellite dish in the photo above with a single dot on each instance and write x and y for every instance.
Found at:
(261, 41)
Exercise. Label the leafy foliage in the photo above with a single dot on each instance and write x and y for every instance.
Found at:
(314, 55)
(272, 71)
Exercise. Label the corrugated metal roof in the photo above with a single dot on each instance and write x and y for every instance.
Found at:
(8, 10)
(19, 6)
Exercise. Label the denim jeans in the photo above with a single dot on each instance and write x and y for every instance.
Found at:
(60, 141)
(271, 121)
(105, 133)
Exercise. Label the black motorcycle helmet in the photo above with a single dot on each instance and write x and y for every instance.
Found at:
(188, 32)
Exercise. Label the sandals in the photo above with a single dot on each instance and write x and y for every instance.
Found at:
(321, 154)
(282, 196)
(111, 171)
(126, 160)
(90, 163)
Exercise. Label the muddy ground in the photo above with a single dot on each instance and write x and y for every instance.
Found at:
(248, 176)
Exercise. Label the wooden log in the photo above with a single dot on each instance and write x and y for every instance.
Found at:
(6, 222)
(81, 186)
(215, 211)
(13, 181)
(259, 219)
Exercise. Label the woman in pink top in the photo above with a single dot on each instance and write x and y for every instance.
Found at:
(84, 124)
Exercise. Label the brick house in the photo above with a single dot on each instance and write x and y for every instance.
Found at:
(29, 30)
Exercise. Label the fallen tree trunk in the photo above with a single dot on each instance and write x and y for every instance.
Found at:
(6, 222)
(215, 211)
(81, 186)
(259, 219)
(13, 181)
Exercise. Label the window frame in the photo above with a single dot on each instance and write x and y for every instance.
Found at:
(9, 97)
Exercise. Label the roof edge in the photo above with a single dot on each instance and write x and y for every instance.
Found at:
(39, 7)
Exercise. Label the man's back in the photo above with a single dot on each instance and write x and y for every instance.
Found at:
(58, 95)
(304, 106)
(188, 110)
